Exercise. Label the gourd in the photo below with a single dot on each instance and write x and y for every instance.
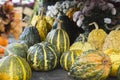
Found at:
(112, 40)
(17, 48)
(81, 35)
(68, 58)
(14, 67)
(115, 59)
(30, 36)
(59, 38)
(97, 37)
(91, 65)
(69, 26)
(43, 56)
(82, 45)
(41, 25)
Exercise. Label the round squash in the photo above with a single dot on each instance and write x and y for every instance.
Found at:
(18, 49)
(112, 40)
(30, 36)
(97, 37)
(115, 59)
(43, 56)
(68, 57)
(59, 38)
(91, 65)
(14, 67)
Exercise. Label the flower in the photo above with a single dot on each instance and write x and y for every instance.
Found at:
(107, 20)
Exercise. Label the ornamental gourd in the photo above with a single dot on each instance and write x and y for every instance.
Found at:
(115, 59)
(43, 56)
(14, 67)
(30, 36)
(112, 40)
(69, 26)
(41, 26)
(91, 65)
(82, 45)
(59, 38)
(19, 49)
(68, 58)
(97, 37)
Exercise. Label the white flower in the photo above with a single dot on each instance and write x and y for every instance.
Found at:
(114, 11)
(107, 20)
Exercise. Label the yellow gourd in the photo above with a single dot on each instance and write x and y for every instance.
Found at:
(97, 37)
(115, 59)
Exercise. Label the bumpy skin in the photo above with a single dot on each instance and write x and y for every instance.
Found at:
(96, 38)
(68, 58)
(115, 59)
(60, 39)
(30, 36)
(112, 41)
(91, 65)
(43, 56)
(42, 27)
(17, 49)
(14, 68)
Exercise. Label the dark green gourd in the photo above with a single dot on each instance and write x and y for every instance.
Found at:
(69, 26)
(30, 36)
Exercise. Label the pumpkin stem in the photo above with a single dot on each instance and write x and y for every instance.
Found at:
(108, 28)
(83, 38)
(95, 24)
(59, 22)
(6, 50)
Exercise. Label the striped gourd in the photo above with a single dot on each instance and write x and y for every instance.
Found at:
(14, 67)
(59, 38)
(19, 49)
(68, 58)
(91, 65)
(42, 56)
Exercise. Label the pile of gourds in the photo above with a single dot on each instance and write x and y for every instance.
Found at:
(48, 42)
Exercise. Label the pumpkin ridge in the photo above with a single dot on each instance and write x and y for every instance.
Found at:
(64, 39)
(54, 55)
(11, 70)
(45, 58)
(65, 61)
(24, 73)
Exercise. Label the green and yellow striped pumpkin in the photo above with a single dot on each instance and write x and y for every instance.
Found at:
(68, 58)
(91, 65)
(42, 56)
(59, 38)
(19, 49)
(14, 67)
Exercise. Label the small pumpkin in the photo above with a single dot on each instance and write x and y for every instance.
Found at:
(97, 37)
(112, 40)
(30, 36)
(18, 49)
(14, 67)
(69, 26)
(43, 56)
(68, 58)
(82, 45)
(59, 38)
(91, 65)
(115, 59)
